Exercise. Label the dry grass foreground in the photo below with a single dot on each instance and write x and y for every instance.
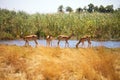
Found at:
(45, 63)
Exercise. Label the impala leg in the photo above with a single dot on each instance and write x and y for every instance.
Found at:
(58, 42)
(26, 43)
(89, 44)
(67, 44)
(83, 44)
(47, 43)
(51, 43)
(36, 42)
(78, 44)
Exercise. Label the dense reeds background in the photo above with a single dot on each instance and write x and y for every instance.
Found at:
(102, 26)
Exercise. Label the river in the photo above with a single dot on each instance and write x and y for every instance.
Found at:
(72, 43)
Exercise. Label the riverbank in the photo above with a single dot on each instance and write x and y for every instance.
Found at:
(46, 63)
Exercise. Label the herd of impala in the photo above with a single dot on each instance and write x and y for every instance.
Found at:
(49, 39)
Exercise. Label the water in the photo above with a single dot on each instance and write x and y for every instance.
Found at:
(72, 43)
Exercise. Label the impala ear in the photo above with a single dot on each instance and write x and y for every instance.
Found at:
(73, 32)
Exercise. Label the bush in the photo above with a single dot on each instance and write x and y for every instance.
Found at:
(6, 36)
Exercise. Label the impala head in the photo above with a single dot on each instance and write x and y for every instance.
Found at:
(49, 37)
(88, 36)
(23, 37)
(72, 34)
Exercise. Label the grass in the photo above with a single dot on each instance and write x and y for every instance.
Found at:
(46, 63)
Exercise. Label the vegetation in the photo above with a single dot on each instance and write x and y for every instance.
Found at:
(91, 8)
(91, 21)
(45, 63)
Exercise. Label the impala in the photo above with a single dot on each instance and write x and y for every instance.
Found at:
(64, 37)
(29, 38)
(83, 39)
(49, 39)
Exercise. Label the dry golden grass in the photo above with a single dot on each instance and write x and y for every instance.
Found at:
(45, 63)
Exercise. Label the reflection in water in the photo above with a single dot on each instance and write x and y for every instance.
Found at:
(72, 43)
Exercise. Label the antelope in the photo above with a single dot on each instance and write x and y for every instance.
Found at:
(64, 37)
(49, 39)
(29, 38)
(83, 39)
